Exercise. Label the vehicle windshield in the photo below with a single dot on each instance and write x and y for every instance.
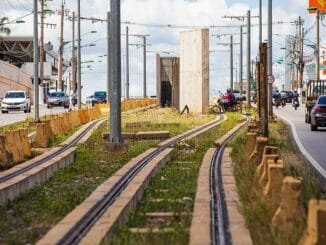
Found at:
(322, 100)
(100, 94)
(15, 95)
(57, 94)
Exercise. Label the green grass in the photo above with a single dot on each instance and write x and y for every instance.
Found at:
(32, 214)
(257, 210)
(179, 178)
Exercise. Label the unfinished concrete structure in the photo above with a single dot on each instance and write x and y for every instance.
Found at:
(167, 85)
(194, 70)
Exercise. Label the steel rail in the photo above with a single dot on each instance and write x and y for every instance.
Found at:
(80, 229)
(219, 216)
(49, 157)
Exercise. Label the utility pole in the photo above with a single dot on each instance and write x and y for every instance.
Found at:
(127, 63)
(248, 57)
(270, 57)
(260, 22)
(241, 60)
(78, 58)
(317, 51)
(42, 52)
(73, 57)
(144, 40)
(115, 75)
(231, 63)
(36, 59)
(60, 57)
(108, 57)
(262, 94)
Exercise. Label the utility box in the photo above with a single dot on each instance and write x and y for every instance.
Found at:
(167, 81)
(194, 70)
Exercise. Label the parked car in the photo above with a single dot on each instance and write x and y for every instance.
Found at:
(99, 98)
(238, 96)
(58, 99)
(16, 101)
(318, 114)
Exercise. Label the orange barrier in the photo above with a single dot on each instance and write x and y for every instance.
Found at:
(6, 157)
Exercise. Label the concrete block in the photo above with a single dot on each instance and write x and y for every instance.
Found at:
(290, 211)
(13, 146)
(152, 135)
(137, 124)
(194, 70)
(257, 154)
(275, 178)
(25, 142)
(6, 157)
(316, 224)
(262, 170)
(250, 143)
(270, 153)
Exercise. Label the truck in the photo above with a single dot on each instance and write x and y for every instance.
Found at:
(314, 89)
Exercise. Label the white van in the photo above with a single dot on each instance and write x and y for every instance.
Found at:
(16, 101)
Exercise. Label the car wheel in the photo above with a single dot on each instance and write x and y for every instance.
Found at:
(313, 127)
(48, 106)
(4, 112)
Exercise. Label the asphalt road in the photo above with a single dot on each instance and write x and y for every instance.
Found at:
(13, 117)
(311, 144)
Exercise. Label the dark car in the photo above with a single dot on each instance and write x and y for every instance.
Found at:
(99, 98)
(58, 99)
(287, 95)
(318, 114)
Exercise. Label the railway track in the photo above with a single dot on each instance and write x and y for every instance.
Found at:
(24, 176)
(84, 224)
(219, 215)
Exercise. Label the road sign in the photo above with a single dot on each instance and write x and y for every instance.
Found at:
(319, 4)
(271, 79)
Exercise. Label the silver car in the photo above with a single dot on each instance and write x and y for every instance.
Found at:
(16, 101)
(58, 99)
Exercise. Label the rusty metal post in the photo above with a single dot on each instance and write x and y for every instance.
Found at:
(263, 97)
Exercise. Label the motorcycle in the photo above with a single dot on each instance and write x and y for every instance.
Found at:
(295, 104)
(283, 103)
(277, 102)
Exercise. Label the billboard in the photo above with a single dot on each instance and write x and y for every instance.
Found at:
(320, 4)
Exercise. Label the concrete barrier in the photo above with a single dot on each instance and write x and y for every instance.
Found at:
(6, 157)
(23, 133)
(42, 136)
(270, 153)
(257, 154)
(12, 143)
(250, 143)
(275, 178)
(316, 224)
(103, 108)
(290, 211)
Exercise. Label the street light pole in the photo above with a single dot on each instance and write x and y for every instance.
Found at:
(60, 56)
(36, 61)
(78, 58)
(231, 63)
(42, 52)
(127, 63)
(73, 57)
(144, 39)
(241, 60)
(108, 58)
(317, 46)
(260, 22)
(248, 56)
(270, 57)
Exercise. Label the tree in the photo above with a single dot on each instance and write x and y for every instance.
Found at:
(3, 28)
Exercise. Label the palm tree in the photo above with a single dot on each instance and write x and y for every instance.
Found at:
(4, 29)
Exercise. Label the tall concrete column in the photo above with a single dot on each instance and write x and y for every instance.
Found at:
(78, 58)
(115, 71)
(108, 57)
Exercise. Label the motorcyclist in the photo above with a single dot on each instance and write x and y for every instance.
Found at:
(228, 99)
(277, 98)
(295, 98)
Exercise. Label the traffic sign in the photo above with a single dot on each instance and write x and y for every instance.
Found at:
(317, 4)
(271, 79)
